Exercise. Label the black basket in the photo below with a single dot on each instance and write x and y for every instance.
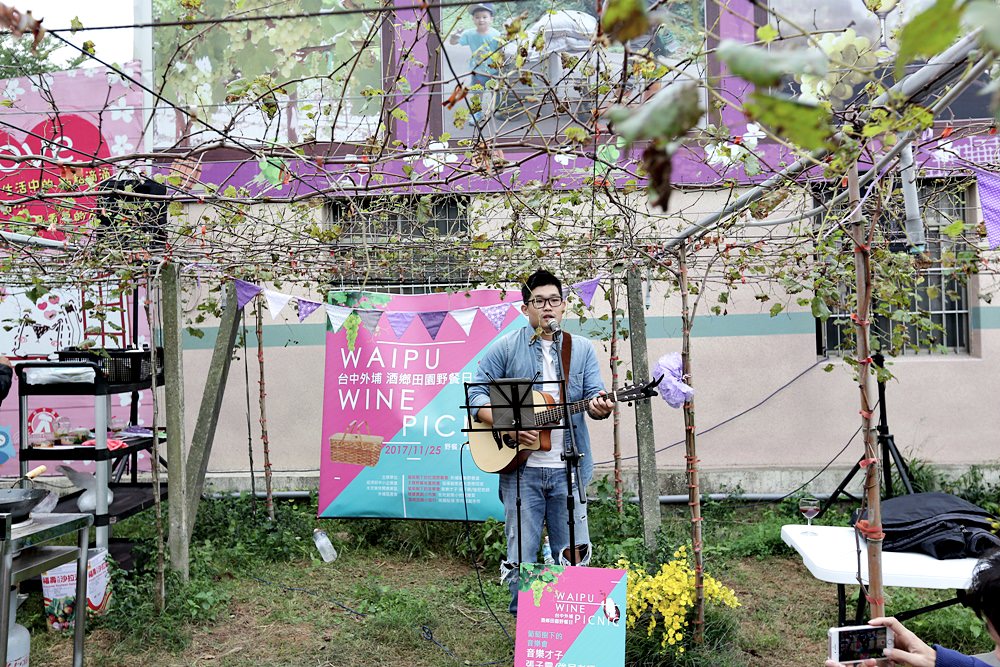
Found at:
(118, 366)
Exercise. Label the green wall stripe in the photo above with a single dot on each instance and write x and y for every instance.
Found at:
(289, 335)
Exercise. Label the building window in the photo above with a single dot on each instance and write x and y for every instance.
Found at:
(403, 239)
(928, 311)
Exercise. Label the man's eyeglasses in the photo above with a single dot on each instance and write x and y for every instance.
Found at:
(539, 302)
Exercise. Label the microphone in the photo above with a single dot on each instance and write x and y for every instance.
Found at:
(553, 326)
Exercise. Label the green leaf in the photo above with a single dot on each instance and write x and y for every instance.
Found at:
(954, 230)
(805, 125)
(625, 19)
(399, 114)
(75, 25)
(670, 113)
(819, 308)
(985, 14)
(766, 68)
(767, 33)
(928, 33)
(577, 134)
(775, 310)
(270, 169)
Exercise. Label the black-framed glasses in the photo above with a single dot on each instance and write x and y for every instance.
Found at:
(539, 302)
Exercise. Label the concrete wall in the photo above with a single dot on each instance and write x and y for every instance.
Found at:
(940, 407)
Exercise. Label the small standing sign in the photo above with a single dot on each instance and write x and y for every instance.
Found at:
(570, 617)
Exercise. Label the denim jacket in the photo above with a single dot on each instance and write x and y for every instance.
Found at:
(519, 355)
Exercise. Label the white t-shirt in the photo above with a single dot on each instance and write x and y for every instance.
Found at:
(553, 457)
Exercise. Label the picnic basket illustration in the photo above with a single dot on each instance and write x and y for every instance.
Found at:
(356, 445)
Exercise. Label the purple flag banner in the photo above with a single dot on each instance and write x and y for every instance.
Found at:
(245, 291)
(433, 321)
(369, 319)
(400, 322)
(586, 289)
(496, 314)
(307, 308)
(988, 184)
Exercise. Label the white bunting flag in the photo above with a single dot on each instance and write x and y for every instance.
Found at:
(276, 302)
(465, 317)
(338, 315)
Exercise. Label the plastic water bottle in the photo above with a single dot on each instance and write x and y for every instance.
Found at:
(547, 552)
(324, 545)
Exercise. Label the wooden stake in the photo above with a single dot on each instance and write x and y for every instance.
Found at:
(173, 390)
(649, 484)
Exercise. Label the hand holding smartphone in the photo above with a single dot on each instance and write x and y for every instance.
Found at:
(854, 644)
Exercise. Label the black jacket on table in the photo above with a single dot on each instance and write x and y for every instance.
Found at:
(6, 378)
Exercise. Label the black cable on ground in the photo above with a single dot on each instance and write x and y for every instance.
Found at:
(468, 537)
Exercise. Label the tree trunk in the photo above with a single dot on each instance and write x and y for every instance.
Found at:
(617, 415)
(862, 269)
(268, 498)
(691, 456)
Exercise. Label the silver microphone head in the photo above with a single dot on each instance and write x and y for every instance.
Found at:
(553, 326)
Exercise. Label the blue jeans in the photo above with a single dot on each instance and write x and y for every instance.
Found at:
(543, 500)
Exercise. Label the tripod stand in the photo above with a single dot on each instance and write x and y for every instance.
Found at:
(890, 453)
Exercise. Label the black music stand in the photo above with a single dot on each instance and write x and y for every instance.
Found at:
(512, 403)
(890, 453)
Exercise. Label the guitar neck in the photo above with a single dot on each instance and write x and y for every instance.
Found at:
(556, 414)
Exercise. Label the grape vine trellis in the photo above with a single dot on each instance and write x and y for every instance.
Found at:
(357, 180)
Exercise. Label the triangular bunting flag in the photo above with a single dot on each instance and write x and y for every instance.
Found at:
(244, 292)
(586, 289)
(465, 317)
(433, 321)
(400, 322)
(306, 308)
(369, 319)
(337, 315)
(496, 314)
(276, 302)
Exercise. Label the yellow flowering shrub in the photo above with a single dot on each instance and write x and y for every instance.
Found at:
(664, 599)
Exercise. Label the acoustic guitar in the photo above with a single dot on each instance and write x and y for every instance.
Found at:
(498, 451)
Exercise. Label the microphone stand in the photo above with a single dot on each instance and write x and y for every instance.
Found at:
(571, 455)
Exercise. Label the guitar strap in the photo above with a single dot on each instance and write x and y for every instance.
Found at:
(567, 347)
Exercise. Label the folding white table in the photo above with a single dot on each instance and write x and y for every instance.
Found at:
(831, 554)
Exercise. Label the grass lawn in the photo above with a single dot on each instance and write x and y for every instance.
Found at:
(406, 594)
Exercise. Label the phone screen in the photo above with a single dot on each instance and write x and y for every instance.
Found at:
(861, 644)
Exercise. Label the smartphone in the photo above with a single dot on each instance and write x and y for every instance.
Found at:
(853, 644)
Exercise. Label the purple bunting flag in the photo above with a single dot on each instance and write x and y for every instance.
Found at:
(306, 308)
(400, 322)
(496, 314)
(432, 321)
(586, 289)
(988, 184)
(245, 291)
(369, 319)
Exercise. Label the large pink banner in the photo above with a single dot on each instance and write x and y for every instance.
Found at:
(85, 115)
(396, 374)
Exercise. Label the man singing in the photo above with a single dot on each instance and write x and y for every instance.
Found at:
(530, 352)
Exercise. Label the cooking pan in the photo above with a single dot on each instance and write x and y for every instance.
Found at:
(20, 502)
